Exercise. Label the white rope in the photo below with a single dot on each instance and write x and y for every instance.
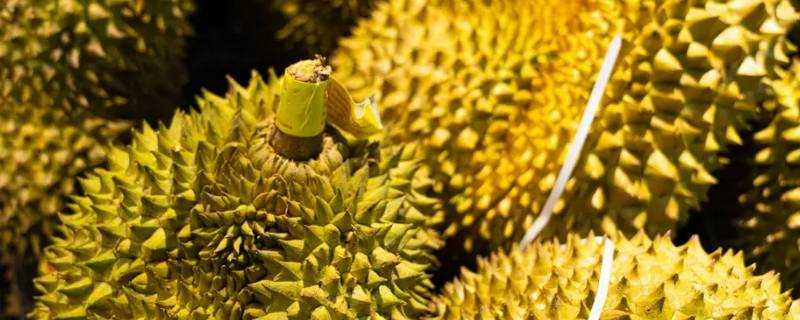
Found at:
(604, 281)
(577, 145)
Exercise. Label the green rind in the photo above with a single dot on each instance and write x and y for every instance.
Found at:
(42, 151)
(202, 220)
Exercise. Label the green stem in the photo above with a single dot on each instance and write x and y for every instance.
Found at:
(300, 117)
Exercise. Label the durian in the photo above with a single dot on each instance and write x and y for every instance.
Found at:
(650, 279)
(94, 54)
(62, 62)
(770, 225)
(318, 25)
(68, 71)
(42, 151)
(205, 219)
(494, 91)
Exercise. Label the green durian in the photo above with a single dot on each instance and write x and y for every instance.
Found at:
(42, 151)
(650, 279)
(94, 54)
(69, 70)
(205, 219)
(494, 91)
(318, 25)
(61, 63)
(770, 226)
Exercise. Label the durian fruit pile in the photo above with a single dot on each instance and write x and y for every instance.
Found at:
(650, 279)
(210, 218)
(42, 150)
(318, 25)
(121, 57)
(770, 225)
(71, 74)
(494, 90)
(64, 66)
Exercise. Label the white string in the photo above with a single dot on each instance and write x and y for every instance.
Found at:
(604, 281)
(577, 145)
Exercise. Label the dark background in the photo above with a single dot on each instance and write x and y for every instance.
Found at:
(233, 38)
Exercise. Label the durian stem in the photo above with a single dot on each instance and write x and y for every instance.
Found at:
(295, 148)
(300, 117)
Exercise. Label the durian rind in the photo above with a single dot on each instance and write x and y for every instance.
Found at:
(650, 279)
(94, 54)
(202, 220)
(495, 91)
(769, 226)
(42, 151)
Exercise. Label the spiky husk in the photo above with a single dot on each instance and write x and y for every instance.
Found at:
(42, 151)
(650, 279)
(204, 220)
(318, 25)
(94, 54)
(770, 225)
(494, 92)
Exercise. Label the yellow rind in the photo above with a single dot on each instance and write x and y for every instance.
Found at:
(769, 229)
(650, 279)
(494, 91)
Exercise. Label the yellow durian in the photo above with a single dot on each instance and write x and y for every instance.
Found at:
(69, 71)
(494, 91)
(650, 279)
(769, 229)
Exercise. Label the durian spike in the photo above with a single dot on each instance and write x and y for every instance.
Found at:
(768, 228)
(493, 109)
(651, 278)
(316, 26)
(121, 58)
(202, 219)
(577, 143)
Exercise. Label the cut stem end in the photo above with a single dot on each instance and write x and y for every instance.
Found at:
(301, 114)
